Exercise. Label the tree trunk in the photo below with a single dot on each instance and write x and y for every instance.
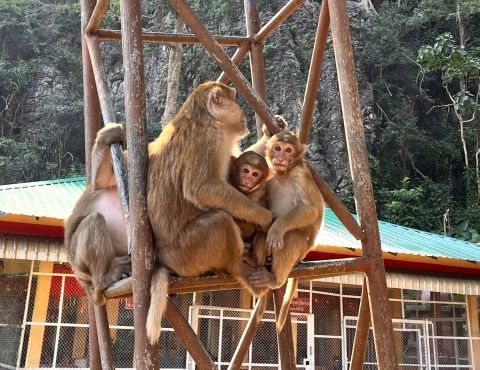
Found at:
(173, 79)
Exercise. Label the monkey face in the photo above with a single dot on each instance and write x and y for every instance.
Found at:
(283, 155)
(249, 178)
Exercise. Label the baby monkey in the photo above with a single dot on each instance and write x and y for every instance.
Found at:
(249, 174)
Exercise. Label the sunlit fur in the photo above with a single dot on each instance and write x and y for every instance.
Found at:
(298, 208)
(190, 202)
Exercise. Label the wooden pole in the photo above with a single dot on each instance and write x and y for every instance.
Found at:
(257, 63)
(361, 334)
(362, 184)
(140, 230)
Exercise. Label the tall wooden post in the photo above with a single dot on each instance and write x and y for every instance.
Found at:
(140, 230)
(362, 184)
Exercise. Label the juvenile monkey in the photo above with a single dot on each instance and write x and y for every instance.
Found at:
(297, 207)
(95, 233)
(249, 174)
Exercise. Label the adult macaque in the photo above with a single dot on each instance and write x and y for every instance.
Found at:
(297, 207)
(191, 205)
(95, 233)
(249, 174)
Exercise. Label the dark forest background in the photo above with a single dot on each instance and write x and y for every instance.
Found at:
(418, 68)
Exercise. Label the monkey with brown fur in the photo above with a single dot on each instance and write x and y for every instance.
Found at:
(297, 206)
(191, 205)
(249, 174)
(95, 233)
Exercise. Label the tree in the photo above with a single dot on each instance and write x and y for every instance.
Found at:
(460, 77)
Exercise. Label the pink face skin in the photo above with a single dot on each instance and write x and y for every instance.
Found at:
(283, 155)
(249, 178)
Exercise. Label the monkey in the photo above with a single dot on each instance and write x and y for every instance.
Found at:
(249, 174)
(190, 204)
(261, 145)
(297, 206)
(95, 233)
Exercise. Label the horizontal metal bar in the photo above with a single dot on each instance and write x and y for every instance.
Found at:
(173, 38)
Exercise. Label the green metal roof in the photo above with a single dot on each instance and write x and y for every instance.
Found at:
(52, 198)
(56, 199)
(396, 239)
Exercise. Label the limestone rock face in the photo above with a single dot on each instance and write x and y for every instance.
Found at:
(287, 58)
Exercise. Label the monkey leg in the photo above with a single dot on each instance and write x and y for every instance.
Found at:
(93, 255)
(295, 248)
(212, 242)
(120, 268)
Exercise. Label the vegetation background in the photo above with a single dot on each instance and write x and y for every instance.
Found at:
(418, 67)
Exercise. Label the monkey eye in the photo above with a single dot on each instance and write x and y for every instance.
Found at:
(277, 148)
(288, 150)
(245, 170)
(255, 174)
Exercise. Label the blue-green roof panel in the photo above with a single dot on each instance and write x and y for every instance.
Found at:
(400, 239)
(54, 198)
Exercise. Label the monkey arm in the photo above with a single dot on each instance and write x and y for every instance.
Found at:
(301, 216)
(102, 168)
(260, 146)
(221, 195)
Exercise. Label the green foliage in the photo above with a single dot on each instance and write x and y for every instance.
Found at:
(41, 104)
(454, 63)
(464, 231)
(419, 205)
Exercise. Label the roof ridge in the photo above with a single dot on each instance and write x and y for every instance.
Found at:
(32, 184)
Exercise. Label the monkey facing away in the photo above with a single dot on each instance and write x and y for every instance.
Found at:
(191, 205)
(249, 174)
(95, 233)
(297, 207)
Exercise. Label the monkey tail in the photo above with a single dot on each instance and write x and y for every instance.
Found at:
(260, 308)
(158, 303)
(287, 299)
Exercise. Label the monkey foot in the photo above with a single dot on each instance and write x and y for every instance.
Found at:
(261, 278)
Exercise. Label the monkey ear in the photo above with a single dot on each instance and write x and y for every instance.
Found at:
(269, 175)
(216, 95)
(303, 148)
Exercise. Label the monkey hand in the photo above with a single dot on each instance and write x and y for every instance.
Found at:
(111, 133)
(274, 240)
